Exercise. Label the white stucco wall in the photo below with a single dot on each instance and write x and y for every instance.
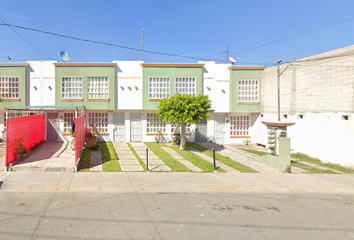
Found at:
(321, 88)
(41, 83)
(216, 79)
(129, 85)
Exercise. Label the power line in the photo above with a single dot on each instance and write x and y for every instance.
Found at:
(108, 44)
(9, 25)
(299, 34)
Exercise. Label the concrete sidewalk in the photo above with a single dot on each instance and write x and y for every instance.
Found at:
(149, 182)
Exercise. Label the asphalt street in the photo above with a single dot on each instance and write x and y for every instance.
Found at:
(34, 215)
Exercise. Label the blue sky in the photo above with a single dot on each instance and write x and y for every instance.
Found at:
(193, 28)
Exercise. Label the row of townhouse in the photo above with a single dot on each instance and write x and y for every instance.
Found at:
(121, 97)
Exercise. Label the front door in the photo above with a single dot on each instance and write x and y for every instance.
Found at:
(219, 129)
(135, 127)
(201, 131)
(118, 127)
(52, 127)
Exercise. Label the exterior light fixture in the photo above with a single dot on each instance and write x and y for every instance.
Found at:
(208, 88)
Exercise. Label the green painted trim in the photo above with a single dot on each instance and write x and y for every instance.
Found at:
(240, 74)
(282, 161)
(172, 72)
(85, 72)
(21, 73)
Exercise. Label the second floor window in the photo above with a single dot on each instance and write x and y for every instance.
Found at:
(97, 87)
(248, 90)
(9, 87)
(159, 87)
(185, 85)
(71, 87)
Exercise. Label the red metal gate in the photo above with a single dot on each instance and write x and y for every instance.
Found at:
(29, 128)
(80, 136)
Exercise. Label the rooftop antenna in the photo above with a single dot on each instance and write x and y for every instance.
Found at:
(227, 54)
(8, 58)
(233, 61)
(142, 39)
(63, 55)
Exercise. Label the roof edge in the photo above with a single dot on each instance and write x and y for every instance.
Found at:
(246, 68)
(172, 64)
(85, 64)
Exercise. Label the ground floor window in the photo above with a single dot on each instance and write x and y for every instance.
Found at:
(155, 124)
(98, 122)
(239, 125)
(68, 119)
(176, 128)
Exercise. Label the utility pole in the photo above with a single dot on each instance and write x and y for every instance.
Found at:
(279, 73)
(227, 54)
(142, 40)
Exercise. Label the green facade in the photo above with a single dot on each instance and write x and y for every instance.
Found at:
(15, 71)
(239, 74)
(282, 161)
(171, 72)
(85, 72)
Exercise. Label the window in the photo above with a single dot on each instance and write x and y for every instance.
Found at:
(174, 128)
(71, 87)
(98, 122)
(97, 87)
(155, 124)
(247, 90)
(185, 85)
(239, 125)
(9, 87)
(159, 87)
(68, 119)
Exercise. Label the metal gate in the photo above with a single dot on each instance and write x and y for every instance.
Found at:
(135, 127)
(118, 127)
(219, 129)
(201, 131)
(52, 127)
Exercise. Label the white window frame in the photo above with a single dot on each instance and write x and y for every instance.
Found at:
(186, 85)
(68, 119)
(10, 87)
(240, 125)
(72, 94)
(248, 90)
(155, 124)
(97, 87)
(159, 87)
(98, 122)
(188, 128)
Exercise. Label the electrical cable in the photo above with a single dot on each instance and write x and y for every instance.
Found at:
(108, 44)
(9, 25)
(286, 38)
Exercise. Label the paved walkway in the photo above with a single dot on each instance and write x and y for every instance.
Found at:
(51, 157)
(126, 158)
(211, 160)
(234, 154)
(96, 161)
(142, 182)
(155, 163)
(182, 160)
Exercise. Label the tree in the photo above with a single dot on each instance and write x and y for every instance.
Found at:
(184, 109)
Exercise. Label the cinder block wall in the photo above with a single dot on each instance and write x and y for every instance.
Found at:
(321, 89)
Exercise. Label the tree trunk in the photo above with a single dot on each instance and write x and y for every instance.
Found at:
(183, 136)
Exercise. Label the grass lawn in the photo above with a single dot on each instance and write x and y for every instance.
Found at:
(310, 168)
(306, 158)
(259, 153)
(142, 163)
(109, 158)
(196, 160)
(226, 160)
(167, 158)
(84, 164)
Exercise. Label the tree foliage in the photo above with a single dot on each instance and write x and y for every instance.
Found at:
(184, 109)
